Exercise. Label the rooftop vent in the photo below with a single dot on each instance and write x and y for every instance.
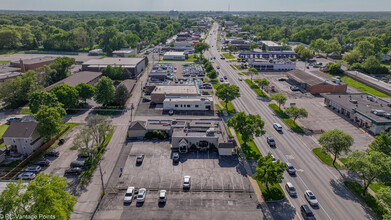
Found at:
(353, 101)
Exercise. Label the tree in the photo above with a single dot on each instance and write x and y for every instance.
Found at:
(45, 195)
(39, 98)
(10, 39)
(334, 68)
(231, 48)
(227, 93)
(269, 172)
(49, 120)
(263, 48)
(253, 46)
(299, 47)
(212, 74)
(305, 54)
(333, 45)
(201, 47)
(318, 45)
(295, 113)
(66, 94)
(100, 126)
(121, 95)
(280, 99)
(365, 48)
(382, 143)
(86, 91)
(252, 71)
(104, 91)
(262, 82)
(247, 125)
(61, 65)
(335, 142)
(352, 56)
(373, 66)
(371, 166)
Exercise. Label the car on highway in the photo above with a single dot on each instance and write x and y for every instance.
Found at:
(61, 141)
(162, 196)
(310, 197)
(274, 159)
(270, 141)
(240, 79)
(221, 79)
(175, 157)
(34, 169)
(186, 182)
(141, 195)
(225, 77)
(82, 155)
(307, 213)
(295, 88)
(290, 189)
(52, 153)
(139, 158)
(223, 58)
(43, 163)
(291, 170)
(129, 194)
(218, 67)
(277, 126)
(26, 176)
(73, 171)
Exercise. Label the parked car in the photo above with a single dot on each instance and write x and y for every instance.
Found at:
(129, 194)
(186, 182)
(306, 212)
(139, 159)
(52, 153)
(310, 197)
(13, 119)
(141, 195)
(162, 196)
(175, 157)
(270, 141)
(61, 141)
(73, 171)
(221, 79)
(34, 169)
(291, 170)
(295, 88)
(277, 126)
(171, 112)
(290, 189)
(26, 176)
(223, 58)
(43, 163)
(78, 163)
(82, 155)
(281, 79)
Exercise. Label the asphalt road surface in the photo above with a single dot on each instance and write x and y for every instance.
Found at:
(335, 200)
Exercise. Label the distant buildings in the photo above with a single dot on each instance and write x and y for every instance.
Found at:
(174, 15)
(271, 45)
(174, 56)
(133, 64)
(124, 52)
(95, 52)
(272, 64)
(32, 64)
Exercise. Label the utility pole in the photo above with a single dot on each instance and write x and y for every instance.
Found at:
(131, 112)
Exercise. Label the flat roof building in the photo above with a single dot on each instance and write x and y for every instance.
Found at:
(79, 77)
(271, 45)
(368, 112)
(272, 64)
(188, 103)
(33, 63)
(162, 91)
(124, 52)
(174, 56)
(133, 64)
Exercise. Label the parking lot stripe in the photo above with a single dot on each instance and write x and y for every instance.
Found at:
(170, 183)
(131, 179)
(241, 178)
(222, 183)
(141, 181)
(150, 182)
(233, 187)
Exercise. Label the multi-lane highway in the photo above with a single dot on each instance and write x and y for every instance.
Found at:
(335, 201)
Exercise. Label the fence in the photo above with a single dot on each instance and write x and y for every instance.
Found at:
(44, 147)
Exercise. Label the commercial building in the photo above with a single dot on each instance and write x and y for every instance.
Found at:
(369, 112)
(239, 43)
(335, 56)
(183, 45)
(95, 52)
(272, 64)
(129, 84)
(22, 138)
(315, 84)
(79, 77)
(124, 52)
(174, 15)
(32, 64)
(188, 103)
(162, 91)
(271, 45)
(268, 55)
(188, 134)
(174, 56)
(134, 65)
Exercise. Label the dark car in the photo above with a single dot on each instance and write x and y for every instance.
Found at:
(43, 163)
(295, 88)
(13, 119)
(82, 155)
(140, 158)
(307, 213)
(73, 171)
(61, 141)
(52, 153)
(291, 170)
(78, 163)
(270, 141)
(175, 157)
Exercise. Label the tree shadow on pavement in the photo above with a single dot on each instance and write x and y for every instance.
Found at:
(340, 190)
(282, 210)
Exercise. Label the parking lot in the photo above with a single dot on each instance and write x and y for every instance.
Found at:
(219, 186)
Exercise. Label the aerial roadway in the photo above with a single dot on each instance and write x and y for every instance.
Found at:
(335, 200)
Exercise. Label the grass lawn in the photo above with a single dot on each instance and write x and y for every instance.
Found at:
(25, 111)
(288, 121)
(228, 56)
(325, 158)
(377, 186)
(3, 128)
(368, 199)
(5, 62)
(238, 67)
(229, 132)
(344, 160)
(231, 109)
(215, 85)
(274, 193)
(233, 66)
(191, 58)
(255, 88)
(250, 149)
(244, 73)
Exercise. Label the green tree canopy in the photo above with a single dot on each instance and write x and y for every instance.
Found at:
(334, 68)
(262, 82)
(121, 95)
(252, 71)
(335, 142)
(227, 93)
(61, 65)
(253, 46)
(296, 112)
(86, 91)
(382, 143)
(280, 99)
(104, 91)
(39, 98)
(269, 172)
(201, 47)
(247, 125)
(49, 120)
(332, 45)
(318, 45)
(66, 94)
(365, 48)
(352, 56)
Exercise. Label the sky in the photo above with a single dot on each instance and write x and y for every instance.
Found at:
(197, 5)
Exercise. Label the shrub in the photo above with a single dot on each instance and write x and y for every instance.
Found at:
(161, 135)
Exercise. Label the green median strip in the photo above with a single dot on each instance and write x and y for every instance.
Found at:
(256, 88)
(228, 56)
(288, 121)
(231, 109)
(250, 149)
(368, 199)
(325, 158)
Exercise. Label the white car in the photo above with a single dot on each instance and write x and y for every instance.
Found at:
(141, 195)
(273, 159)
(277, 126)
(186, 182)
(129, 194)
(27, 176)
(240, 79)
(310, 197)
(162, 196)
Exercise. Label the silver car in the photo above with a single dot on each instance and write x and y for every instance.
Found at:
(277, 126)
(26, 176)
(186, 182)
(129, 194)
(162, 196)
(141, 195)
(310, 197)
